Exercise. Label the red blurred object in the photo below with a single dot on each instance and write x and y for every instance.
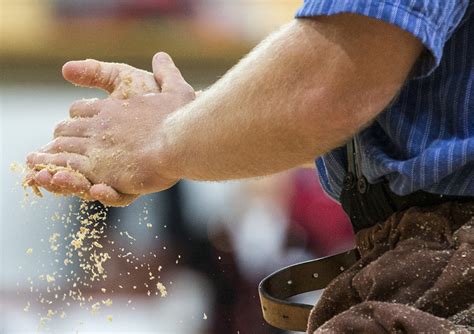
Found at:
(124, 8)
(326, 225)
(155, 7)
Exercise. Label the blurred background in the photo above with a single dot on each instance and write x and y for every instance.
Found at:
(213, 242)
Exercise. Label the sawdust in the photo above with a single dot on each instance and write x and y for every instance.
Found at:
(84, 245)
(162, 289)
(107, 302)
(83, 250)
(16, 167)
(53, 241)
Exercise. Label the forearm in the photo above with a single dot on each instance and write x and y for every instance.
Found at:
(303, 91)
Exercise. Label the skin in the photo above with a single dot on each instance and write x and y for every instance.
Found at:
(77, 140)
(303, 91)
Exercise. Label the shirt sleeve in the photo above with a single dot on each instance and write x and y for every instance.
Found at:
(431, 21)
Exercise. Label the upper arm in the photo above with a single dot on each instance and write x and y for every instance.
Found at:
(432, 22)
(356, 65)
(361, 52)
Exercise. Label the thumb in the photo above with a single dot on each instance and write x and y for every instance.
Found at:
(166, 73)
(94, 74)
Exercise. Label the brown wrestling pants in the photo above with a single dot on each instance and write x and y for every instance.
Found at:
(415, 275)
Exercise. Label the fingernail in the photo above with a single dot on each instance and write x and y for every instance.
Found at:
(162, 56)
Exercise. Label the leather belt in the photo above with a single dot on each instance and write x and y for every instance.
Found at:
(275, 289)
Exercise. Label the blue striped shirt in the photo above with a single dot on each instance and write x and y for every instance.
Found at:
(424, 140)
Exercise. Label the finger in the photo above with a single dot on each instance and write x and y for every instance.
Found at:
(84, 108)
(43, 179)
(29, 179)
(63, 182)
(77, 162)
(167, 74)
(109, 196)
(78, 127)
(71, 183)
(67, 144)
(94, 74)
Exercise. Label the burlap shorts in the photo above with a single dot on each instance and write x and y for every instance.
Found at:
(415, 275)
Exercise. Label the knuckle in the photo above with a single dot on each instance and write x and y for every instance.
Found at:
(54, 146)
(59, 144)
(92, 72)
(59, 128)
(187, 88)
(74, 108)
(74, 164)
(84, 107)
(96, 68)
(30, 159)
(187, 91)
(110, 78)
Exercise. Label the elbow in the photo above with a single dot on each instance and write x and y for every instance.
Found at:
(330, 116)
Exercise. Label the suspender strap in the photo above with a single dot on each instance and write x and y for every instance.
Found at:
(368, 204)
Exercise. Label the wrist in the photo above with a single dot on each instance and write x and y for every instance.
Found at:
(165, 161)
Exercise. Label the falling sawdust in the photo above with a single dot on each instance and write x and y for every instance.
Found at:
(53, 242)
(162, 289)
(107, 302)
(83, 251)
(16, 167)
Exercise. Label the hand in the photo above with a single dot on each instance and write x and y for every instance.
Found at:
(112, 142)
(120, 81)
